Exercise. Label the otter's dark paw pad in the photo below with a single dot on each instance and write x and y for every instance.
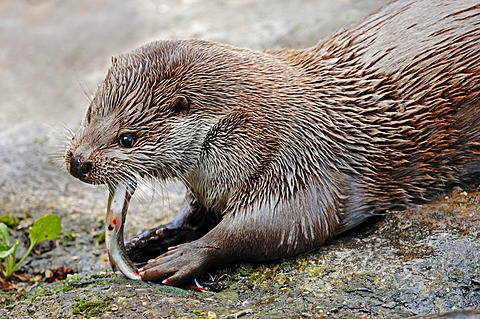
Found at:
(148, 244)
(153, 242)
(180, 264)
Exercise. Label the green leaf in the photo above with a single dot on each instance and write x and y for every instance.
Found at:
(6, 250)
(4, 234)
(46, 228)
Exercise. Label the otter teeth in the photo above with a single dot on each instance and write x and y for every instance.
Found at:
(118, 200)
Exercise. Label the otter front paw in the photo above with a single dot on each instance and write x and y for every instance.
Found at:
(180, 264)
(153, 242)
(146, 245)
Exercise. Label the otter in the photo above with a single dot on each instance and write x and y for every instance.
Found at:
(280, 150)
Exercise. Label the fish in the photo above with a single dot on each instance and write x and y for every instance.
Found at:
(119, 197)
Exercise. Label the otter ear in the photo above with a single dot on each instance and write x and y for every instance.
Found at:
(180, 104)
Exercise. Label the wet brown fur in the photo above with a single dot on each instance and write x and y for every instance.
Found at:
(281, 150)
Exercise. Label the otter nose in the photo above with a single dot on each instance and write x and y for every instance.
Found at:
(78, 168)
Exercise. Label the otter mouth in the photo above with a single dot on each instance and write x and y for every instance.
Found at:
(119, 197)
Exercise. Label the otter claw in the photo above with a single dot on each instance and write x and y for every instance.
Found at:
(117, 207)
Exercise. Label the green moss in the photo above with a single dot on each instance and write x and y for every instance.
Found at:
(9, 220)
(92, 308)
(315, 271)
(198, 313)
(101, 238)
(205, 315)
(265, 274)
(255, 275)
(45, 291)
(243, 270)
(67, 237)
(67, 288)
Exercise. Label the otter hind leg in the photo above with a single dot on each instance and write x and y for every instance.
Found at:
(192, 222)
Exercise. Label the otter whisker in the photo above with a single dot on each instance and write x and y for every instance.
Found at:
(85, 89)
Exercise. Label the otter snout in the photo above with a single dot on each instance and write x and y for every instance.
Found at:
(79, 168)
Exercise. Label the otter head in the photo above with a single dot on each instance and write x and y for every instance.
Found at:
(146, 118)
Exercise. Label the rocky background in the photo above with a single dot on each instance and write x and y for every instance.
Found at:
(425, 260)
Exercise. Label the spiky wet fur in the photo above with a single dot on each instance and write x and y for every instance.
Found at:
(294, 146)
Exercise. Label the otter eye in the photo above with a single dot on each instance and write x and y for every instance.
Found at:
(126, 141)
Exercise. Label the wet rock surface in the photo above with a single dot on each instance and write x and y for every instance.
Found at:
(421, 261)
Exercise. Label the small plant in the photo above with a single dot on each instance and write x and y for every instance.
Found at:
(46, 228)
